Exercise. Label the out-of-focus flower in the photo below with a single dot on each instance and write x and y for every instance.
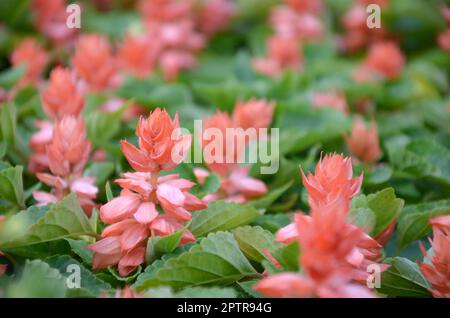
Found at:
(161, 144)
(282, 54)
(358, 34)
(38, 161)
(254, 113)
(67, 155)
(51, 20)
(296, 26)
(62, 97)
(385, 59)
(332, 99)
(215, 15)
(224, 140)
(165, 10)
(138, 55)
(94, 63)
(437, 269)
(444, 40)
(33, 56)
(312, 6)
(173, 62)
(133, 216)
(363, 141)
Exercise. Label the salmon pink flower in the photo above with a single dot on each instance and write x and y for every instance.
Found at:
(215, 16)
(328, 245)
(62, 96)
(67, 155)
(363, 141)
(94, 63)
(161, 145)
(134, 216)
(173, 62)
(312, 6)
(138, 55)
(51, 20)
(444, 40)
(236, 184)
(437, 267)
(296, 26)
(33, 56)
(385, 59)
(282, 53)
(255, 113)
(332, 99)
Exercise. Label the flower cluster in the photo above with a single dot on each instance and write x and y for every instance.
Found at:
(294, 23)
(357, 34)
(30, 54)
(363, 141)
(67, 154)
(436, 269)
(334, 253)
(60, 98)
(133, 216)
(50, 19)
(444, 37)
(175, 31)
(236, 184)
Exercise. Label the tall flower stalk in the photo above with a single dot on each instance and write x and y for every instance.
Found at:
(149, 204)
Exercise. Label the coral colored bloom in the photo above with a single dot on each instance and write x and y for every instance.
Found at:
(215, 16)
(173, 62)
(62, 97)
(138, 55)
(282, 53)
(328, 245)
(313, 6)
(161, 145)
(444, 40)
(333, 177)
(290, 24)
(51, 20)
(255, 113)
(67, 155)
(223, 141)
(436, 269)
(385, 59)
(332, 99)
(133, 216)
(94, 63)
(33, 56)
(363, 141)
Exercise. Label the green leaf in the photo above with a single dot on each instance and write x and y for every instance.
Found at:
(403, 279)
(271, 197)
(247, 288)
(103, 126)
(64, 219)
(414, 220)
(10, 76)
(109, 194)
(217, 260)
(38, 280)
(222, 216)
(8, 123)
(211, 185)
(273, 222)
(384, 205)
(11, 186)
(423, 158)
(79, 248)
(253, 241)
(288, 256)
(90, 286)
(157, 245)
